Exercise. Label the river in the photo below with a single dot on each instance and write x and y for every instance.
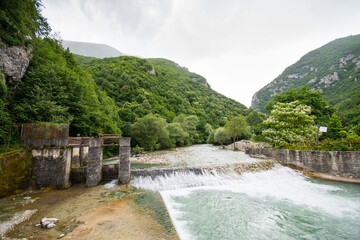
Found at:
(276, 204)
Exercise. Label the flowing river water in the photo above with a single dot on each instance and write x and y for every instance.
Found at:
(276, 204)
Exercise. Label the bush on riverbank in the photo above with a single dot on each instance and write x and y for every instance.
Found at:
(350, 143)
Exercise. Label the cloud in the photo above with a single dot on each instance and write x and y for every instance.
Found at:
(238, 45)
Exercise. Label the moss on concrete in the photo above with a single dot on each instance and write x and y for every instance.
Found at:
(15, 171)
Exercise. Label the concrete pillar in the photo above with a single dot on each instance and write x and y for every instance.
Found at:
(84, 150)
(124, 163)
(94, 167)
(75, 158)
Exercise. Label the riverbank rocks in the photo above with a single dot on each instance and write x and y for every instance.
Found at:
(48, 222)
(243, 145)
(16, 219)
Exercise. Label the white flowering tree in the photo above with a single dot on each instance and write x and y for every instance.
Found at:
(290, 123)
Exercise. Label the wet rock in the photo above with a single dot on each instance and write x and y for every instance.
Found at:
(50, 225)
(48, 222)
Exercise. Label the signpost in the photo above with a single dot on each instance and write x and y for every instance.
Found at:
(320, 129)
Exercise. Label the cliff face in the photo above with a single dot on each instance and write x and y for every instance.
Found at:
(13, 63)
(333, 69)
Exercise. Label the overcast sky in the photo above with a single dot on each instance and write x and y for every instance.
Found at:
(239, 46)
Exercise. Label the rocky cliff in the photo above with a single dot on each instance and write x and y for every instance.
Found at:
(13, 63)
(333, 69)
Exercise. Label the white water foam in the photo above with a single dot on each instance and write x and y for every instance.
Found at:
(111, 184)
(280, 183)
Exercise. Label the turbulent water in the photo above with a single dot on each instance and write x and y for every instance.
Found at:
(274, 204)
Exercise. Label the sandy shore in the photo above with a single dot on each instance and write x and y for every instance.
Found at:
(96, 213)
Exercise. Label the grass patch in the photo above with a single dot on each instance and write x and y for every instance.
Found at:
(153, 203)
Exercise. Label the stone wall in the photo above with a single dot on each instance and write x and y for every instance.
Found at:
(336, 163)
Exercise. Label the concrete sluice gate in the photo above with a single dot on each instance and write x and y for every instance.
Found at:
(59, 160)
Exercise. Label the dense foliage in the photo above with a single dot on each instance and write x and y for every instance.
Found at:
(158, 86)
(21, 20)
(349, 142)
(332, 69)
(290, 123)
(237, 128)
(320, 108)
(55, 89)
(155, 101)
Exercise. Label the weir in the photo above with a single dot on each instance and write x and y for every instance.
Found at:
(237, 168)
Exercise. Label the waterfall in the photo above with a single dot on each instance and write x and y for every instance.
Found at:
(183, 177)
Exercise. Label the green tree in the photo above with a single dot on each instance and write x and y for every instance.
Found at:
(177, 135)
(20, 19)
(55, 89)
(321, 109)
(255, 119)
(237, 127)
(188, 124)
(220, 136)
(150, 131)
(334, 127)
(290, 123)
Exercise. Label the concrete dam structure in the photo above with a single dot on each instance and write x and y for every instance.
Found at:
(56, 156)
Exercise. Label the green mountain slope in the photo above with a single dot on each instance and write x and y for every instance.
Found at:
(91, 49)
(96, 95)
(334, 69)
(142, 86)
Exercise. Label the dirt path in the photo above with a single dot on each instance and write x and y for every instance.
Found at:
(94, 213)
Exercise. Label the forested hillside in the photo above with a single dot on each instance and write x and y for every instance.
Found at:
(111, 95)
(334, 69)
(142, 86)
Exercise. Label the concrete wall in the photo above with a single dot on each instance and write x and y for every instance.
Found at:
(336, 163)
(51, 166)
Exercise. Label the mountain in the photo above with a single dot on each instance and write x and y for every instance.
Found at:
(181, 70)
(142, 86)
(333, 69)
(91, 49)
